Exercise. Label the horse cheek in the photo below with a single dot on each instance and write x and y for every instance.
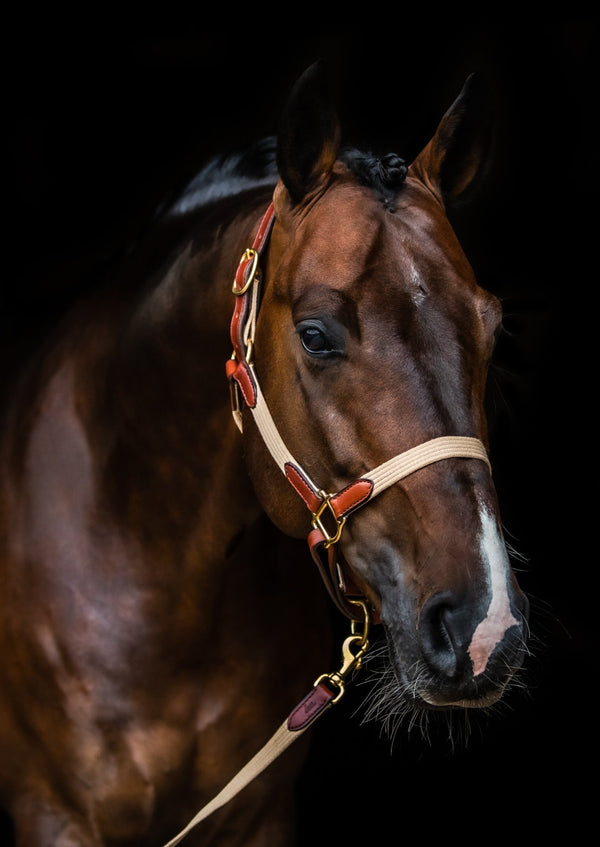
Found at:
(276, 497)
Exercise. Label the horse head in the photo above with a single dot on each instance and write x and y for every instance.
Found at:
(372, 338)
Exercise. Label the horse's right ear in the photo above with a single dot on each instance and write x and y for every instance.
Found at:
(309, 136)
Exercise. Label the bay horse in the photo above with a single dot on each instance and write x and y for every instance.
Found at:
(160, 610)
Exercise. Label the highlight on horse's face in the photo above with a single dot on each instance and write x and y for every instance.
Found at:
(375, 318)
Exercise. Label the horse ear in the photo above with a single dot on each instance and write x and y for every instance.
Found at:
(309, 136)
(456, 157)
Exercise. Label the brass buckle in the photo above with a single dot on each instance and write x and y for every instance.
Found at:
(249, 255)
(317, 523)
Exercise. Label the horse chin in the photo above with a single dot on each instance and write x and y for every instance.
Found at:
(482, 702)
(434, 698)
(424, 690)
(406, 698)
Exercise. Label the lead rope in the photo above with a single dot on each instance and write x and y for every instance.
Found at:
(327, 690)
(279, 742)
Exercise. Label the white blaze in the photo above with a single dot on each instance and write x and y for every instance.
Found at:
(499, 618)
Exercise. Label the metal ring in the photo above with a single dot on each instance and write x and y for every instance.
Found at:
(317, 523)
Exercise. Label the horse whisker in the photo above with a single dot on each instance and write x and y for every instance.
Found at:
(391, 703)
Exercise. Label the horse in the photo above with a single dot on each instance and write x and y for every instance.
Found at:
(297, 351)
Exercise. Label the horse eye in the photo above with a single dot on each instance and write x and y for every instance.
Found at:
(317, 340)
(314, 340)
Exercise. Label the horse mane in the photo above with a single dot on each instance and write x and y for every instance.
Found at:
(226, 175)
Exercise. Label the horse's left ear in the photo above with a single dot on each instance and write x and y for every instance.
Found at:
(458, 153)
(309, 136)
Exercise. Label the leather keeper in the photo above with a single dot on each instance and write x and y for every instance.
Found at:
(298, 481)
(351, 497)
(243, 377)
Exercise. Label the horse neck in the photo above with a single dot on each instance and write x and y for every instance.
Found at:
(174, 464)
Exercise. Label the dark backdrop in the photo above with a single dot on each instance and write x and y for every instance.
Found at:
(104, 118)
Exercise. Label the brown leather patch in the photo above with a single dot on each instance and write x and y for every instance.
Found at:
(351, 497)
(244, 379)
(309, 709)
(298, 481)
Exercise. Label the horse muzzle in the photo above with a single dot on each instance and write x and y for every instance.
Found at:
(454, 615)
(456, 651)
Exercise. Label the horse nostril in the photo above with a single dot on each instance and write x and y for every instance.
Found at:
(441, 634)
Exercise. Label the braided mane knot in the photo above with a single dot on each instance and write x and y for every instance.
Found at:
(384, 174)
(391, 170)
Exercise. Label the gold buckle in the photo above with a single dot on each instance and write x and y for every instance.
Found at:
(317, 523)
(250, 254)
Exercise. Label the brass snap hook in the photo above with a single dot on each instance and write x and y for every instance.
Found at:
(353, 650)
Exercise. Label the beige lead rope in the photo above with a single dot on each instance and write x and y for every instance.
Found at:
(327, 690)
(279, 742)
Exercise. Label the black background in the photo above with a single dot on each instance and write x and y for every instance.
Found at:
(104, 117)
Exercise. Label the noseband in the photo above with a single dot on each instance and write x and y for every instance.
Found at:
(333, 508)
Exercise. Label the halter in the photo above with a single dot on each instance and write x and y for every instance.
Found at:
(334, 508)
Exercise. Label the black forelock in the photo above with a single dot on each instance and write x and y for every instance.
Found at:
(384, 174)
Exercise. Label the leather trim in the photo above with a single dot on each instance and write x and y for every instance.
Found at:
(325, 560)
(310, 708)
(241, 301)
(235, 328)
(351, 497)
(302, 487)
(245, 380)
